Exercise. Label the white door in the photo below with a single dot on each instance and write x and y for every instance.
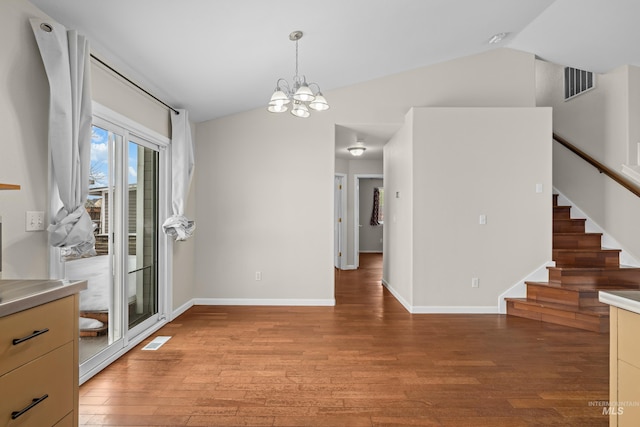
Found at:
(338, 220)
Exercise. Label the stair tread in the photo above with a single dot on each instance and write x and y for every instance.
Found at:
(565, 233)
(587, 250)
(576, 287)
(587, 311)
(587, 269)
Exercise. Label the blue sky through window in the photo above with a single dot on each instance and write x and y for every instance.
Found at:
(100, 159)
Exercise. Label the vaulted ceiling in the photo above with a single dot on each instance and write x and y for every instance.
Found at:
(219, 57)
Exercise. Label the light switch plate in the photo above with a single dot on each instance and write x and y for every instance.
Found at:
(34, 221)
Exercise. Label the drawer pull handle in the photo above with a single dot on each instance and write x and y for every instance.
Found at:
(17, 341)
(34, 402)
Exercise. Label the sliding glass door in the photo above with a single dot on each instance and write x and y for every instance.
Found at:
(125, 284)
(142, 268)
(100, 315)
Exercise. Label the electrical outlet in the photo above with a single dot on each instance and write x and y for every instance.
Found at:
(258, 275)
(475, 282)
(483, 219)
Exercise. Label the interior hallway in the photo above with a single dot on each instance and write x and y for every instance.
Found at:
(364, 362)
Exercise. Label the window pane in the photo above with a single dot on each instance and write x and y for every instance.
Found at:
(143, 228)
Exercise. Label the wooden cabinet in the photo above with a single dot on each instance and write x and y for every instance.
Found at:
(39, 365)
(624, 393)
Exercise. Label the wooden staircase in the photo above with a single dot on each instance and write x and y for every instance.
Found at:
(583, 267)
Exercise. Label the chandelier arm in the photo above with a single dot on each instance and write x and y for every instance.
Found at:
(316, 84)
(282, 83)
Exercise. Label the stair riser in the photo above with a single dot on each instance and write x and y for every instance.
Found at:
(561, 212)
(602, 278)
(587, 259)
(549, 315)
(568, 226)
(577, 298)
(577, 241)
(555, 295)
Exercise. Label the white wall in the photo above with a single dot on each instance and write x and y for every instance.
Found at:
(265, 203)
(342, 166)
(469, 162)
(634, 115)
(603, 123)
(24, 101)
(398, 251)
(115, 93)
(267, 190)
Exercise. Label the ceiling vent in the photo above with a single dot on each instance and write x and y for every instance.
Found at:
(577, 82)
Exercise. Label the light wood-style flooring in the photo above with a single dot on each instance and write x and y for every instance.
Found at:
(364, 362)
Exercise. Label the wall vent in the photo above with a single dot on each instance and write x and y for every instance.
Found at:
(577, 82)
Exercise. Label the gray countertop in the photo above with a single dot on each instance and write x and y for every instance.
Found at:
(19, 295)
(627, 300)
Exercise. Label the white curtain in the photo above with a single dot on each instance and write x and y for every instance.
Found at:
(182, 164)
(65, 55)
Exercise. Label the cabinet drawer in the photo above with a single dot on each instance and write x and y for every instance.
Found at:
(50, 375)
(628, 391)
(56, 316)
(628, 343)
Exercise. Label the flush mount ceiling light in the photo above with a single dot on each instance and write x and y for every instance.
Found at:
(497, 38)
(298, 93)
(358, 149)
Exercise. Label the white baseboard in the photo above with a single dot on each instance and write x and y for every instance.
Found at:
(396, 295)
(349, 267)
(519, 290)
(265, 302)
(593, 227)
(184, 307)
(417, 309)
(248, 302)
(462, 309)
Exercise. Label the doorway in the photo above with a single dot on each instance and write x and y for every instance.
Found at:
(367, 237)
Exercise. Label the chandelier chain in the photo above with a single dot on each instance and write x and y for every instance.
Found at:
(296, 59)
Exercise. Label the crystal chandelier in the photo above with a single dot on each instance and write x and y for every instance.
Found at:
(299, 93)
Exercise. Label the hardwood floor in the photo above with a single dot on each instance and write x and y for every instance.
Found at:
(364, 362)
